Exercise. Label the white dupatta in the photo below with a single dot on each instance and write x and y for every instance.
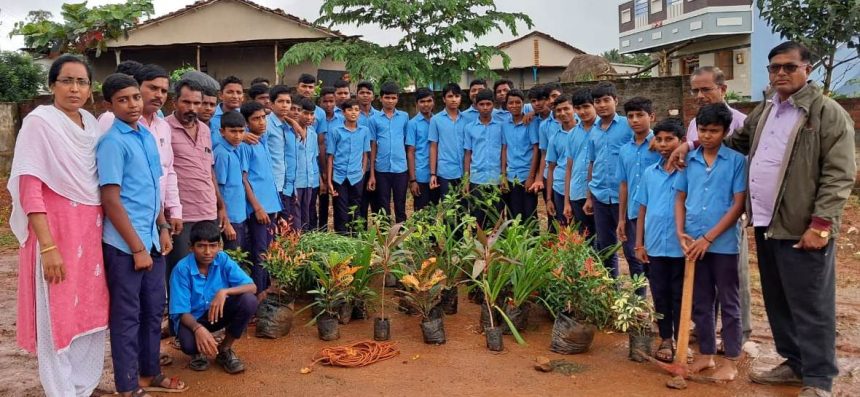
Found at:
(51, 147)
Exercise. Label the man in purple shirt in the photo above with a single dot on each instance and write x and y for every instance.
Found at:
(707, 86)
(800, 145)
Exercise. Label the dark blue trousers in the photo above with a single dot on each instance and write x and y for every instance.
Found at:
(368, 198)
(629, 246)
(322, 217)
(445, 185)
(241, 240)
(558, 202)
(666, 278)
(419, 202)
(306, 204)
(259, 238)
(482, 213)
(717, 280)
(290, 211)
(349, 197)
(390, 184)
(238, 311)
(605, 222)
(521, 202)
(584, 222)
(137, 302)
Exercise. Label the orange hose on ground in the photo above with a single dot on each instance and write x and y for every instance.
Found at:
(358, 354)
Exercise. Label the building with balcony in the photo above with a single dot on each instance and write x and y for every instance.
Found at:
(704, 32)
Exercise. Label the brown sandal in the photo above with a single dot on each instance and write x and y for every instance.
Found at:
(666, 351)
(174, 385)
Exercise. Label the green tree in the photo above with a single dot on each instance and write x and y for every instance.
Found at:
(82, 28)
(633, 59)
(821, 25)
(434, 44)
(20, 77)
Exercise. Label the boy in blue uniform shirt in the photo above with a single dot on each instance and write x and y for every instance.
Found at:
(484, 157)
(557, 159)
(446, 142)
(333, 118)
(280, 137)
(475, 86)
(633, 158)
(603, 146)
(521, 150)
(232, 93)
(364, 96)
(261, 194)
(418, 151)
(656, 243)
(388, 176)
(210, 292)
(307, 168)
(710, 199)
(347, 148)
(229, 168)
(576, 173)
(136, 237)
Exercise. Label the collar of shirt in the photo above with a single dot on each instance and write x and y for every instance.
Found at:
(493, 120)
(420, 117)
(124, 128)
(173, 122)
(647, 140)
(699, 154)
(783, 106)
(444, 113)
(397, 113)
(599, 122)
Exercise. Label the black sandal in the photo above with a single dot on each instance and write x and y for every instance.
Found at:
(660, 354)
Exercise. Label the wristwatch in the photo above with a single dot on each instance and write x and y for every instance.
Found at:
(821, 233)
(165, 226)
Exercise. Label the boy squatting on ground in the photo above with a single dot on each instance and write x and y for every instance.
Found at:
(136, 236)
(209, 292)
(709, 200)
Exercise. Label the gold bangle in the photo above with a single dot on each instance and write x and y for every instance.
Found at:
(49, 249)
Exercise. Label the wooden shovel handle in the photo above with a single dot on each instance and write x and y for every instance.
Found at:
(686, 312)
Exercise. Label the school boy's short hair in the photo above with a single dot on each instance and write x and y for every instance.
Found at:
(422, 93)
(639, 104)
(515, 93)
(538, 92)
(257, 90)
(548, 88)
(364, 84)
(581, 97)
(307, 105)
(128, 67)
(206, 231)
(604, 89)
(501, 82)
(234, 119)
(296, 99)
(348, 104)
(115, 83)
(277, 91)
(192, 85)
(673, 126)
(230, 80)
(561, 99)
(260, 80)
(484, 95)
(249, 108)
(477, 82)
(150, 72)
(715, 113)
(453, 88)
(389, 88)
(306, 78)
(341, 84)
(326, 91)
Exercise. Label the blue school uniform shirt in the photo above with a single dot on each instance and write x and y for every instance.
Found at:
(546, 128)
(520, 140)
(390, 136)
(603, 148)
(710, 194)
(130, 159)
(632, 161)
(329, 125)
(448, 135)
(275, 140)
(215, 125)
(657, 193)
(470, 115)
(348, 147)
(577, 152)
(228, 173)
(364, 119)
(192, 292)
(307, 160)
(258, 162)
(485, 142)
(556, 152)
(319, 118)
(417, 131)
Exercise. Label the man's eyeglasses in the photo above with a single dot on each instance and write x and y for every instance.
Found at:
(704, 91)
(787, 67)
(70, 81)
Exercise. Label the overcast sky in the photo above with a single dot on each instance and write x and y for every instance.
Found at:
(586, 24)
